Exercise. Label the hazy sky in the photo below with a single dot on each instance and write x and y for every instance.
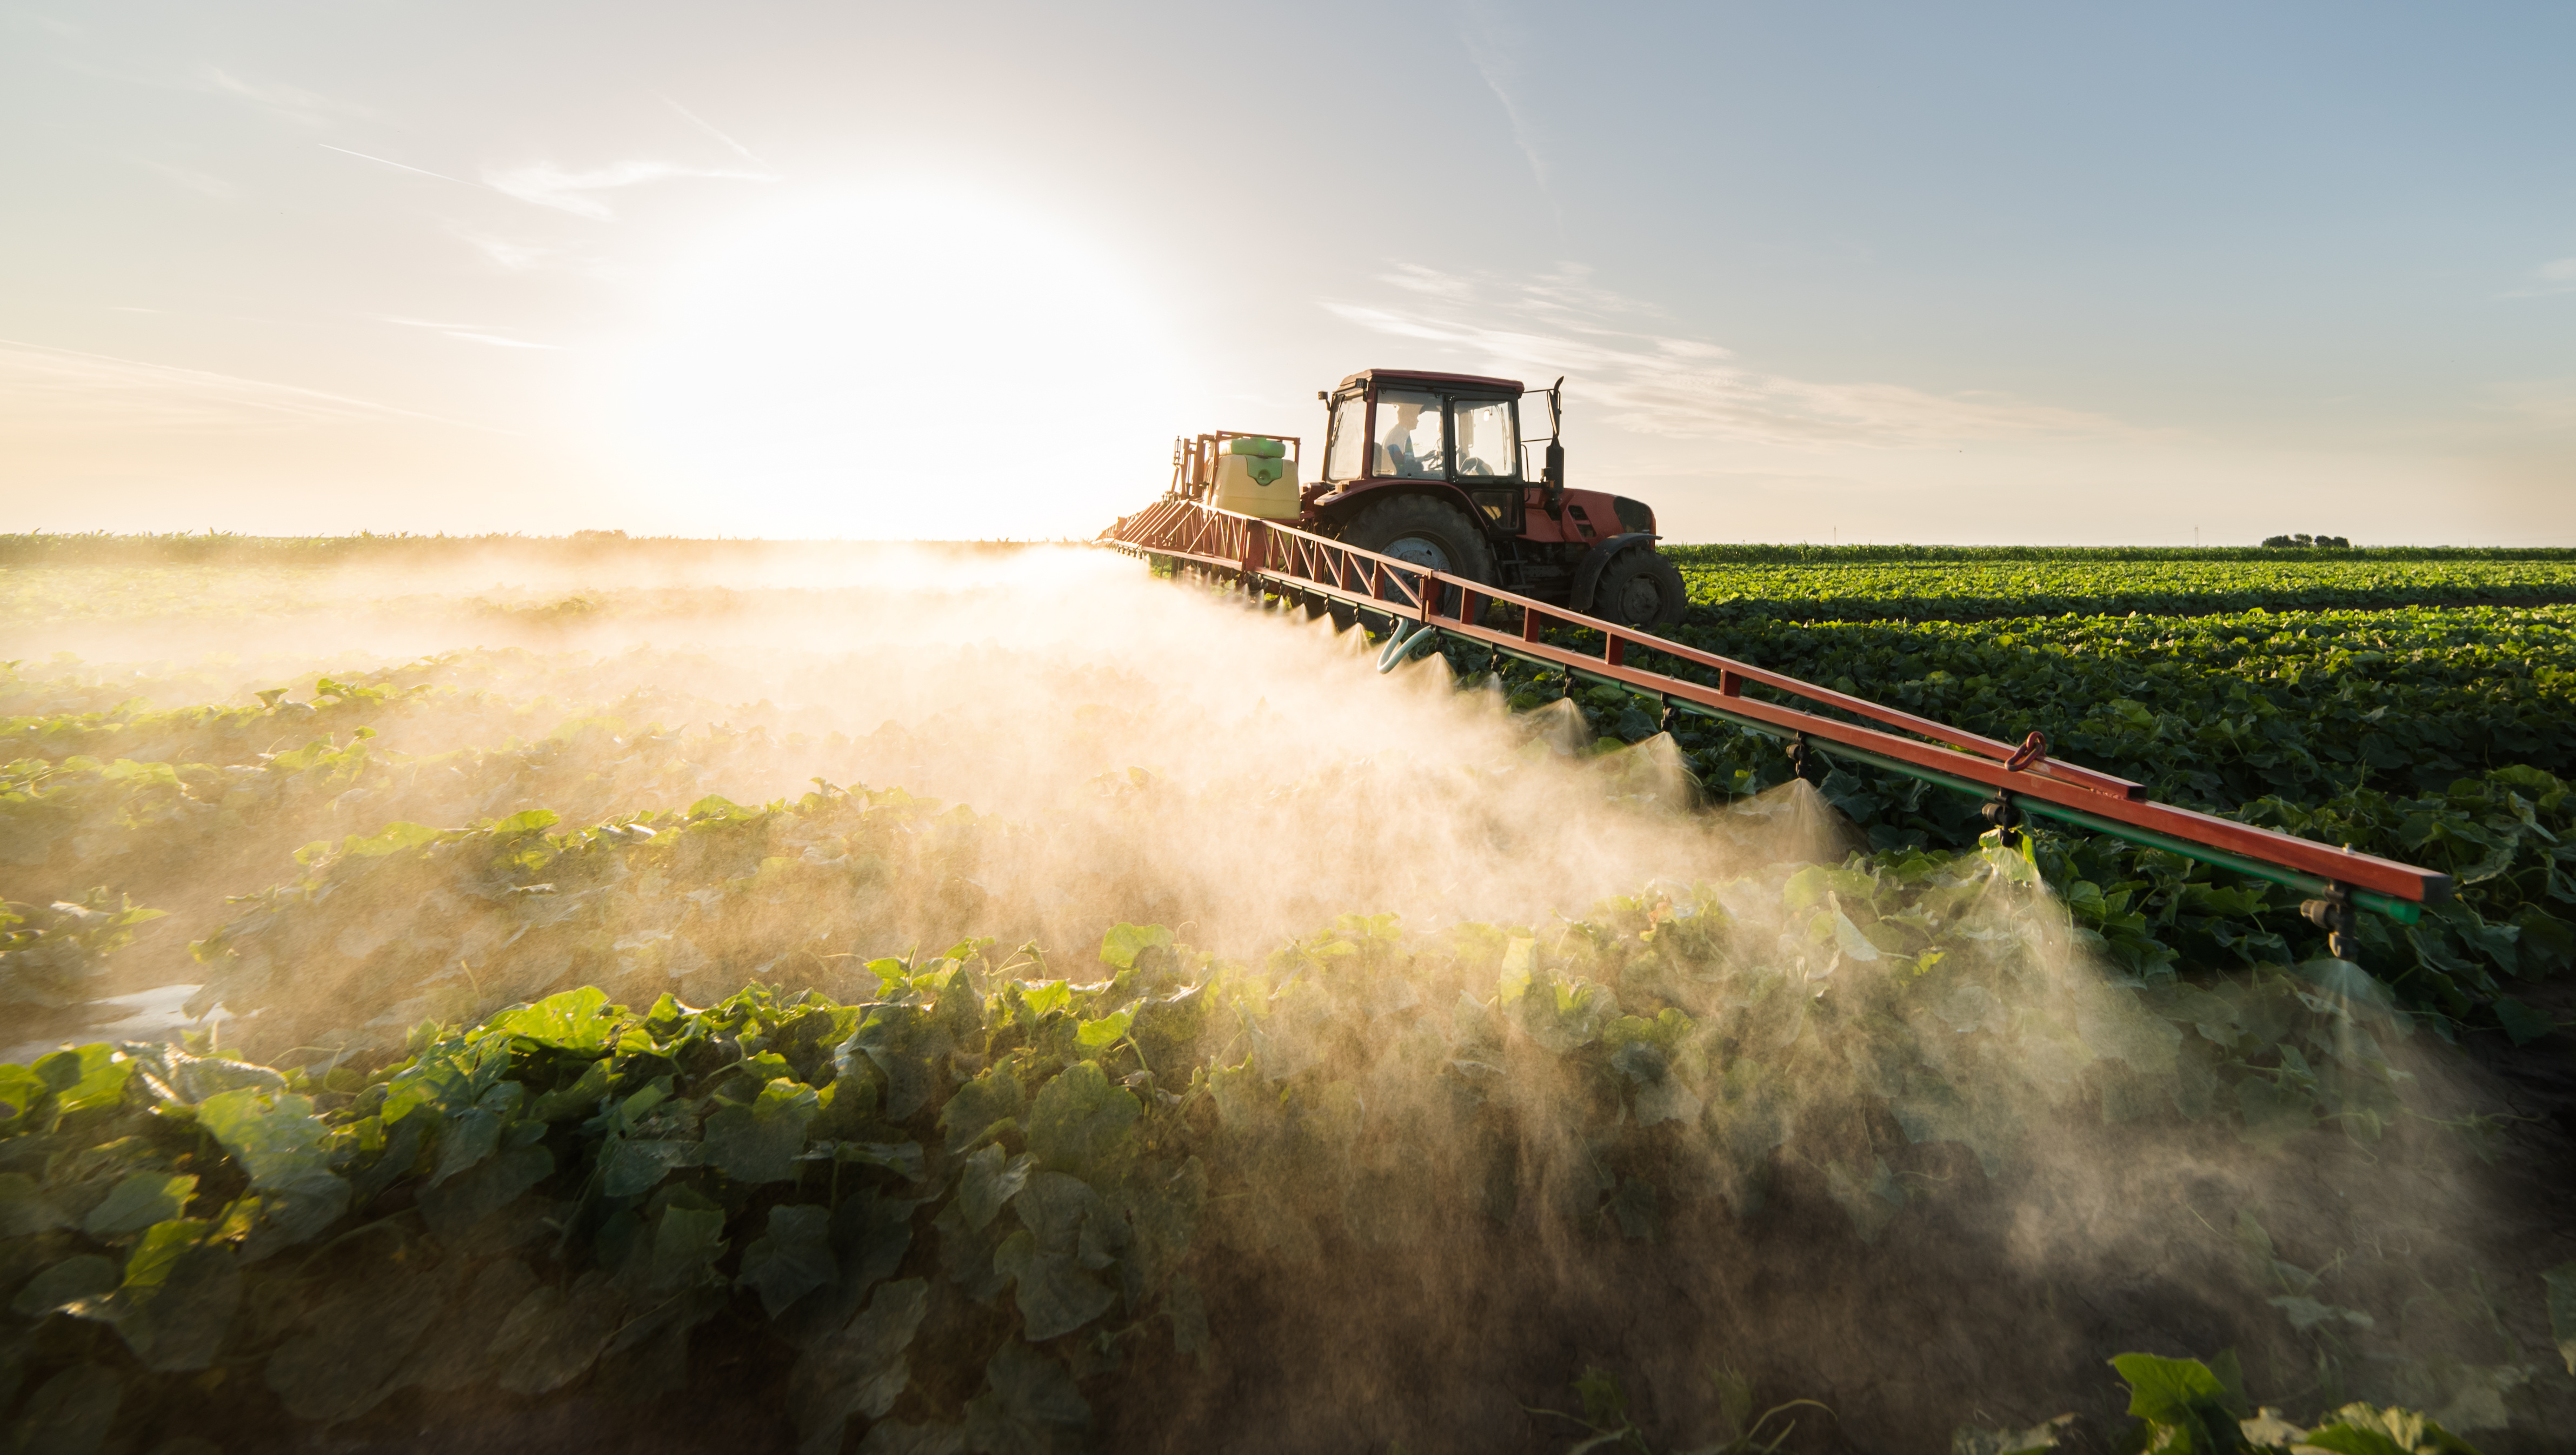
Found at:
(1817, 271)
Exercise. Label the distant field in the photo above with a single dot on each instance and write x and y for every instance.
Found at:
(1977, 588)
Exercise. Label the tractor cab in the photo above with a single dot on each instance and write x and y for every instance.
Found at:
(1462, 430)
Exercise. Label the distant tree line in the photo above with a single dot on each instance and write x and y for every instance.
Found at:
(2308, 542)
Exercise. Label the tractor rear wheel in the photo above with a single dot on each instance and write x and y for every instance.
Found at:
(1422, 531)
(1641, 588)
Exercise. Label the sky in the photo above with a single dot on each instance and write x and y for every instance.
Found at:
(2040, 273)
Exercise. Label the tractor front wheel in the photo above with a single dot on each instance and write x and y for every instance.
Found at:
(1641, 588)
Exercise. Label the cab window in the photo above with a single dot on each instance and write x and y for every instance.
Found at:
(1409, 443)
(1487, 449)
(1348, 451)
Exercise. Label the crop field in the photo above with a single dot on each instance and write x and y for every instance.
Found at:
(643, 996)
(1861, 585)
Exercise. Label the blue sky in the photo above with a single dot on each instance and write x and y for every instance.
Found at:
(1855, 272)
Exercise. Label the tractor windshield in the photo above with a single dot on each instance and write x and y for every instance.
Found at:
(1408, 435)
(1486, 449)
(1346, 458)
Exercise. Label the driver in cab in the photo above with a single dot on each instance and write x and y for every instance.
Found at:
(1411, 446)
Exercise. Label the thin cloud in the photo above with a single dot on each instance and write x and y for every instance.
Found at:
(709, 128)
(1494, 47)
(551, 186)
(470, 333)
(523, 257)
(289, 103)
(1685, 388)
(46, 389)
(294, 103)
(2548, 278)
(205, 184)
(388, 162)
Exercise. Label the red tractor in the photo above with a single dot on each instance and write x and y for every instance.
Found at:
(1432, 469)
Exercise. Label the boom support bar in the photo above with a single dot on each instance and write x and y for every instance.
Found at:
(1268, 556)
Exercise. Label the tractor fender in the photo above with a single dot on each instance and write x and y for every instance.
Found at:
(1340, 505)
(1587, 572)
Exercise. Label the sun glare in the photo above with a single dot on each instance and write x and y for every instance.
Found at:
(902, 362)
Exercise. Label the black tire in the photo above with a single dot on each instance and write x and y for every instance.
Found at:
(1426, 532)
(1640, 588)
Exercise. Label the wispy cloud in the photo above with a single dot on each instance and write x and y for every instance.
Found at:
(389, 162)
(292, 103)
(44, 390)
(2548, 278)
(702, 124)
(1662, 384)
(205, 184)
(547, 185)
(1495, 46)
(470, 333)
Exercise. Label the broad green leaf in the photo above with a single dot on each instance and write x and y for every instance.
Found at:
(687, 1241)
(178, 1296)
(576, 1020)
(277, 1138)
(138, 1202)
(1080, 1118)
(78, 1285)
(859, 1370)
(1028, 1399)
(20, 1087)
(1094, 1035)
(1520, 962)
(453, 1208)
(987, 1180)
(86, 1077)
(793, 1259)
(759, 1142)
(1124, 942)
(2161, 1388)
(995, 1096)
(24, 1208)
(393, 838)
(630, 1168)
(526, 822)
(470, 1136)
(2522, 1023)
(584, 1095)
(1055, 1296)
